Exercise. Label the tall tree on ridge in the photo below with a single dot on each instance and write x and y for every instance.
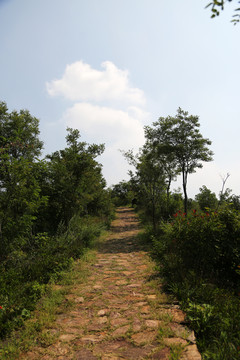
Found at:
(180, 138)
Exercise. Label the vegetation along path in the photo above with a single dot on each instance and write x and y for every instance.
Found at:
(119, 312)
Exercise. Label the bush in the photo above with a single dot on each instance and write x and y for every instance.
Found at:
(206, 243)
(199, 258)
(25, 272)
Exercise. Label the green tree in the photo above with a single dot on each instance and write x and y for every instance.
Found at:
(180, 138)
(206, 198)
(74, 182)
(20, 193)
(121, 193)
(218, 6)
(150, 182)
(165, 161)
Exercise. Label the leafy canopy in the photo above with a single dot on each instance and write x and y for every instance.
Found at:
(217, 6)
(179, 139)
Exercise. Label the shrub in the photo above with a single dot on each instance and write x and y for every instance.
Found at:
(206, 243)
(199, 258)
(25, 272)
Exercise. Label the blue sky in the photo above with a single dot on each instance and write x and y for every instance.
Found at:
(110, 67)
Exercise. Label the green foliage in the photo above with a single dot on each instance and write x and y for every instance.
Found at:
(122, 193)
(179, 139)
(206, 199)
(199, 258)
(50, 211)
(25, 273)
(174, 145)
(20, 193)
(217, 6)
(206, 243)
(73, 182)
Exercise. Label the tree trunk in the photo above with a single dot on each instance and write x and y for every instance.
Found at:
(153, 210)
(168, 191)
(185, 190)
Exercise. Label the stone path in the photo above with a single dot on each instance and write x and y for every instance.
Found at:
(119, 313)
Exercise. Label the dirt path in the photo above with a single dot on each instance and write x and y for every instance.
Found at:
(118, 313)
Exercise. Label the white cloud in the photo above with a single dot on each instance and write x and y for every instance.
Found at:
(116, 128)
(80, 82)
(106, 109)
(104, 124)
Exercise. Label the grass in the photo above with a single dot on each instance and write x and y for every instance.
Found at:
(37, 329)
(176, 352)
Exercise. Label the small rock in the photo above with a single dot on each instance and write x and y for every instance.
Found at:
(79, 300)
(176, 315)
(85, 354)
(103, 320)
(151, 297)
(121, 282)
(101, 313)
(92, 338)
(136, 327)
(142, 303)
(192, 337)
(145, 310)
(97, 287)
(120, 331)
(143, 337)
(163, 354)
(118, 321)
(134, 285)
(152, 323)
(67, 337)
(191, 353)
(127, 273)
(174, 341)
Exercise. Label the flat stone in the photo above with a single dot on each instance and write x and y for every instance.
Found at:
(121, 282)
(59, 349)
(151, 297)
(175, 341)
(145, 310)
(97, 287)
(152, 323)
(79, 300)
(75, 330)
(175, 315)
(141, 303)
(92, 338)
(191, 353)
(121, 331)
(138, 295)
(134, 285)
(73, 322)
(103, 320)
(191, 337)
(179, 330)
(143, 337)
(84, 354)
(128, 273)
(95, 328)
(118, 321)
(136, 327)
(101, 313)
(67, 337)
(163, 354)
